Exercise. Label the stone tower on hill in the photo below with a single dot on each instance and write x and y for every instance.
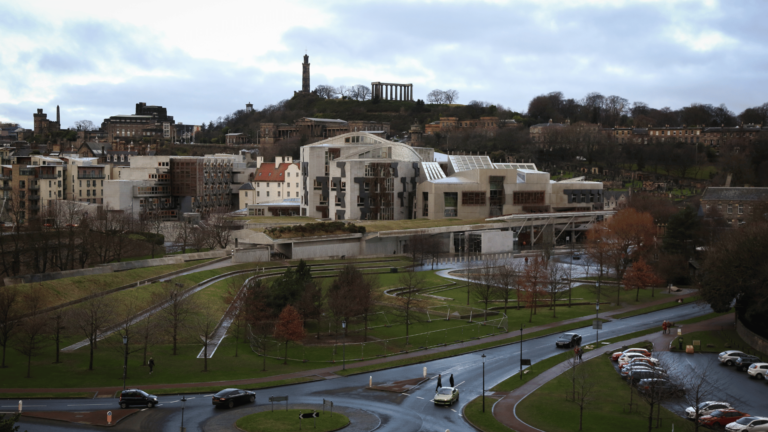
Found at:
(305, 75)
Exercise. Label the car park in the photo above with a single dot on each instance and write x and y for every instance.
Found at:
(641, 360)
(729, 357)
(706, 408)
(626, 358)
(751, 424)
(758, 370)
(136, 397)
(721, 417)
(744, 362)
(232, 396)
(568, 340)
(446, 396)
(661, 385)
(615, 356)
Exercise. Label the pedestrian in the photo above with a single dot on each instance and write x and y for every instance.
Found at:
(452, 381)
(581, 351)
(576, 352)
(151, 364)
(439, 382)
(664, 327)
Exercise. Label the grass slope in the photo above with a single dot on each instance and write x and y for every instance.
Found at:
(288, 420)
(484, 421)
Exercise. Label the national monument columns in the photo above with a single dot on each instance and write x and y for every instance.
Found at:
(389, 91)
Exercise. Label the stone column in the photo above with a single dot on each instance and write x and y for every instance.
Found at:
(386, 92)
(401, 93)
(410, 92)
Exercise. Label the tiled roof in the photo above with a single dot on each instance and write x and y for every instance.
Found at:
(267, 172)
(736, 194)
(247, 186)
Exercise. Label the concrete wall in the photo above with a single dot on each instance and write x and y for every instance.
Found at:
(318, 249)
(497, 241)
(259, 254)
(757, 342)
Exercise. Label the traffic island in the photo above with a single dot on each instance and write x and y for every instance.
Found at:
(398, 386)
(93, 418)
(292, 420)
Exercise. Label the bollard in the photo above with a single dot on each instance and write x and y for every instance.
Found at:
(20, 402)
(109, 417)
(425, 375)
(370, 381)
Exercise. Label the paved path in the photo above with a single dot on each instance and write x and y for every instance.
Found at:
(505, 410)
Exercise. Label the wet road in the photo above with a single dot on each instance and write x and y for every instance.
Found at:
(397, 412)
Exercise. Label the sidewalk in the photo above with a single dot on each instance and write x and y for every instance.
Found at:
(504, 410)
(331, 370)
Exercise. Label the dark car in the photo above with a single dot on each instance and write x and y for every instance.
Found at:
(137, 397)
(568, 340)
(744, 362)
(232, 396)
(659, 385)
(636, 375)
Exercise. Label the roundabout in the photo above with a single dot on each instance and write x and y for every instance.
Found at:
(292, 419)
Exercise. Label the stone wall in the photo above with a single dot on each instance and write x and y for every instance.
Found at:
(258, 254)
(757, 342)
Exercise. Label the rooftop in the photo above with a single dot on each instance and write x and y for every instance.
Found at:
(736, 193)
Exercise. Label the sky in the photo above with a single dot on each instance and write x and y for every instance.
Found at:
(206, 60)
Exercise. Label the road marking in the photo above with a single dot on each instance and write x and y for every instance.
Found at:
(419, 397)
(16, 406)
(85, 405)
(453, 410)
(173, 401)
(157, 405)
(460, 383)
(431, 400)
(405, 394)
(208, 395)
(190, 398)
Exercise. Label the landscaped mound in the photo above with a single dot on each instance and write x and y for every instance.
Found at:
(314, 229)
(282, 420)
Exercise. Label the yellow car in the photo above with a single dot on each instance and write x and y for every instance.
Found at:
(447, 396)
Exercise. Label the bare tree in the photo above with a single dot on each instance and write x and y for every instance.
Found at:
(9, 312)
(483, 284)
(30, 338)
(90, 318)
(436, 96)
(362, 93)
(85, 125)
(58, 319)
(325, 91)
(585, 390)
(219, 227)
(701, 385)
(201, 326)
(556, 275)
(409, 303)
(176, 309)
(508, 279)
(258, 317)
(312, 303)
(450, 96)
(125, 328)
(183, 234)
(534, 276)
(656, 390)
(235, 297)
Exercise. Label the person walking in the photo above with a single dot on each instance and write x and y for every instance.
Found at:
(151, 364)
(439, 382)
(581, 351)
(451, 380)
(576, 352)
(664, 327)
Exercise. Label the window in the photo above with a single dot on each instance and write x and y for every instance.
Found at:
(338, 200)
(521, 198)
(246, 194)
(741, 208)
(451, 200)
(360, 202)
(297, 185)
(288, 194)
(730, 208)
(343, 186)
(289, 174)
(267, 193)
(278, 193)
(257, 193)
(366, 187)
(473, 198)
(318, 185)
(87, 183)
(425, 205)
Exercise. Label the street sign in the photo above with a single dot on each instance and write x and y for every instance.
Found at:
(597, 324)
(309, 415)
(273, 399)
(525, 362)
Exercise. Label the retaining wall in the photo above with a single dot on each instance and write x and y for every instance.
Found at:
(757, 342)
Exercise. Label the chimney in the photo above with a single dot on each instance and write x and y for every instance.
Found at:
(259, 161)
(278, 160)
(728, 180)
(288, 159)
(58, 116)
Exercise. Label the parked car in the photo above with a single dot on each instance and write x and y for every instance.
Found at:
(641, 360)
(626, 358)
(447, 396)
(136, 397)
(640, 367)
(232, 396)
(751, 424)
(615, 356)
(744, 362)
(659, 384)
(638, 375)
(758, 370)
(729, 357)
(706, 408)
(568, 340)
(721, 417)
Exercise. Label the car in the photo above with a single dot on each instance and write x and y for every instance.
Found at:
(626, 358)
(721, 417)
(568, 340)
(638, 375)
(662, 385)
(576, 256)
(637, 360)
(744, 362)
(446, 396)
(638, 367)
(706, 408)
(136, 397)
(729, 357)
(231, 396)
(758, 370)
(751, 424)
(615, 356)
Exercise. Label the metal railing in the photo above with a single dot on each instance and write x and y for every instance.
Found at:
(90, 176)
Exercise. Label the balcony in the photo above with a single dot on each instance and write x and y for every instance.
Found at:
(47, 176)
(34, 198)
(34, 187)
(34, 207)
(91, 176)
(6, 187)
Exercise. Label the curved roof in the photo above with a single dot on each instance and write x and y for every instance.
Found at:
(368, 139)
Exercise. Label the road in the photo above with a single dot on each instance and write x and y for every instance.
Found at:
(397, 412)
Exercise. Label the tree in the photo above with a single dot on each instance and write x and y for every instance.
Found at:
(628, 235)
(30, 338)
(201, 326)
(408, 302)
(507, 278)
(701, 384)
(450, 96)
(258, 315)
(325, 91)
(681, 232)
(483, 288)
(585, 391)
(311, 303)
(555, 276)
(85, 125)
(534, 276)
(9, 315)
(176, 308)
(91, 318)
(436, 97)
(58, 319)
(289, 328)
(640, 276)
(235, 298)
(220, 226)
(9, 424)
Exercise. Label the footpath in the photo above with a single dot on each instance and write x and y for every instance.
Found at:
(504, 410)
(330, 372)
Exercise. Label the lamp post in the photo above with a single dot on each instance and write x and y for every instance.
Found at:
(344, 345)
(521, 352)
(597, 313)
(183, 402)
(125, 363)
(483, 356)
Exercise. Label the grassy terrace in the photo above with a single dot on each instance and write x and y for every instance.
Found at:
(376, 226)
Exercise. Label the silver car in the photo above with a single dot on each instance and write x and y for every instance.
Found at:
(706, 408)
(729, 357)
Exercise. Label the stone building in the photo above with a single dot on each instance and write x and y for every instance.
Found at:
(44, 126)
(312, 127)
(453, 124)
(271, 182)
(149, 121)
(736, 204)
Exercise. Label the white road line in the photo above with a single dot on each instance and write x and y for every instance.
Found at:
(432, 400)
(405, 394)
(16, 406)
(208, 395)
(460, 383)
(419, 397)
(190, 398)
(88, 405)
(173, 401)
(157, 405)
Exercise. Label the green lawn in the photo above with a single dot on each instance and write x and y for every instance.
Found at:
(720, 340)
(533, 371)
(216, 389)
(484, 421)
(654, 308)
(68, 395)
(288, 421)
(606, 412)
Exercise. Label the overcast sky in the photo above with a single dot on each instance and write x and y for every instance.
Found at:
(96, 59)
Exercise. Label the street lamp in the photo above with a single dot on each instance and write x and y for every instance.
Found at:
(183, 402)
(125, 363)
(597, 313)
(521, 352)
(344, 345)
(483, 356)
